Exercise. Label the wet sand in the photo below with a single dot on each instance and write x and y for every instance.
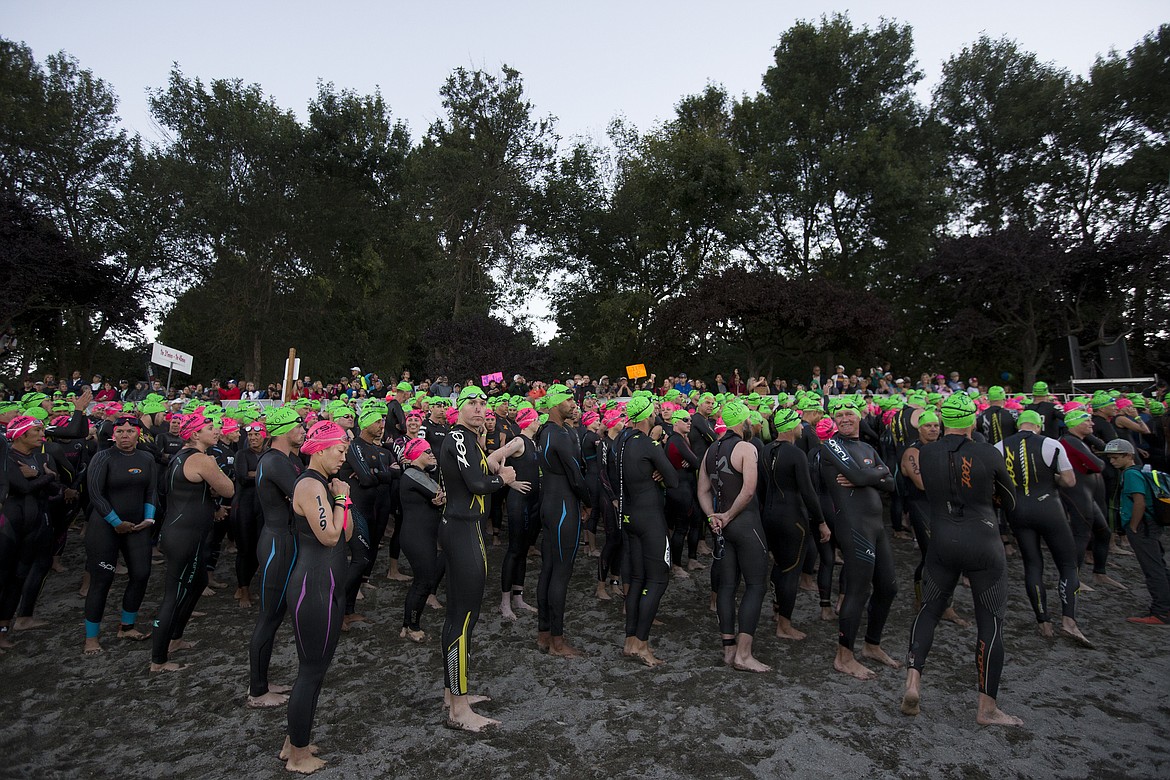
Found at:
(1088, 713)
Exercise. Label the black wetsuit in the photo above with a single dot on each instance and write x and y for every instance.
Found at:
(366, 477)
(466, 482)
(996, 423)
(316, 592)
(865, 547)
(745, 553)
(681, 503)
(523, 518)
(395, 420)
(791, 502)
(1086, 517)
(433, 432)
(609, 562)
(246, 517)
(420, 542)
(123, 488)
(1052, 415)
(902, 433)
(964, 480)
(225, 457)
(562, 494)
(643, 517)
(190, 511)
(276, 478)
(919, 510)
(25, 534)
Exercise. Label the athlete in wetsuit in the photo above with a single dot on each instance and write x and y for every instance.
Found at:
(191, 476)
(321, 509)
(996, 422)
(681, 504)
(24, 532)
(1051, 414)
(246, 516)
(276, 474)
(1037, 466)
(643, 467)
(122, 487)
(562, 494)
(363, 471)
(422, 513)
(854, 475)
(523, 514)
(1086, 518)
(791, 501)
(727, 496)
(467, 481)
(964, 480)
(609, 564)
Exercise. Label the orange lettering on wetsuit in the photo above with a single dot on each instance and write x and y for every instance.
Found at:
(979, 665)
(967, 463)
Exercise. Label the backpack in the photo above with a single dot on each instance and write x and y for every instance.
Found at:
(1160, 487)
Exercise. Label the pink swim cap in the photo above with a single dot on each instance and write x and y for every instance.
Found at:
(1072, 406)
(1123, 404)
(1013, 406)
(589, 418)
(489, 415)
(452, 415)
(191, 424)
(414, 448)
(322, 436)
(888, 416)
(526, 417)
(720, 427)
(59, 421)
(415, 413)
(826, 428)
(230, 426)
(311, 418)
(19, 426)
(613, 418)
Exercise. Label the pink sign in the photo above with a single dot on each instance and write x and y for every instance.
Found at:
(487, 379)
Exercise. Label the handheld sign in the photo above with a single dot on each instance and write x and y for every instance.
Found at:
(636, 371)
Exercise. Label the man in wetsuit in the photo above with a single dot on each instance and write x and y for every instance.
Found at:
(642, 467)
(854, 475)
(1039, 465)
(727, 495)
(1049, 412)
(562, 494)
(996, 422)
(395, 416)
(466, 482)
(964, 480)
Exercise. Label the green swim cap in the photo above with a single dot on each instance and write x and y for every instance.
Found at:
(810, 404)
(706, 397)
(152, 405)
(1157, 408)
(9, 406)
(994, 393)
(340, 409)
(62, 406)
(281, 419)
(557, 395)
(958, 411)
(682, 415)
(783, 399)
(1076, 417)
(1030, 417)
(752, 400)
(542, 419)
(639, 409)
(525, 405)
(786, 420)
(1101, 399)
(369, 417)
(734, 413)
(1139, 401)
(927, 418)
(405, 387)
(301, 403)
(933, 398)
(1040, 388)
(32, 399)
(471, 391)
(672, 394)
(755, 418)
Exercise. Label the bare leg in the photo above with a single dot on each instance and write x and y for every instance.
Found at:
(846, 663)
(744, 660)
(506, 607)
(784, 630)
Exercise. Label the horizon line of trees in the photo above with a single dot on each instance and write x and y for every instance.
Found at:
(833, 217)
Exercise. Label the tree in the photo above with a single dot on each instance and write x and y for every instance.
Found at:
(476, 344)
(476, 175)
(845, 167)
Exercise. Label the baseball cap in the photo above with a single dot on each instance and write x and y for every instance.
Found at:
(1119, 447)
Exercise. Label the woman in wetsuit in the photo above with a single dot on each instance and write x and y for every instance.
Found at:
(523, 514)
(246, 516)
(422, 511)
(316, 589)
(123, 485)
(681, 506)
(192, 478)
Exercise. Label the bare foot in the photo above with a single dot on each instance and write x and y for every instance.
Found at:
(207, 592)
(28, 623)
(198, 615)
(997, 717)
(728, 654)
(648, 657)
(170, 666)
(601, 593)
(302, 761)
(433, 602)
(680, 573)
(912, 697)
(543, 641)
(518, 603)
(133, 634)
(966, 582)
(1044, 629)
(562, 649)
(397, 576)
(181, 644)
(807, 583)
(852, 667)
(954, 617)
(1105, 579)
(506, 611)
(246, 601)
(212, 582)
(876, 653)
(360, 596)
(694, 565)
(413, 636)
(1086, 589)
(785, 630)
(59, 567)
(469, 720)
(713, 606)
(472, 698)
(92, 646)
(269, 699)
(750, 664)
(827, 613)
(286, 750)
(616, 589)
(273, 688)
(703, 548)
(1074, 633)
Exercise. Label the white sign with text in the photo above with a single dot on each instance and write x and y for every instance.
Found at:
(171, 358)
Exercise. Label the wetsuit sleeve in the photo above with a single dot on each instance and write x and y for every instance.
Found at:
(808, 493)
(151, 490)
(845, 463)
(96, 480)
(1005, 489)
(76, 428)
(1081, 458)
(684, 450)
(367, 477)
(22, 485)
(476, 478)
(572, 470)
(662, 464)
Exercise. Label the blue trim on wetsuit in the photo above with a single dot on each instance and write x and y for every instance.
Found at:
(113, 519)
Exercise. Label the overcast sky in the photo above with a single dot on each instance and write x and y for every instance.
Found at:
(582, 62)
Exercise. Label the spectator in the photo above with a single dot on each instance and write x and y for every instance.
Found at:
(720, 385)
(683, 385)
(96, 384)
(623, 388)
(736, 386)
(231, 392)
(519, 386)
(106, 393)
(954, 384)
(817, 382)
